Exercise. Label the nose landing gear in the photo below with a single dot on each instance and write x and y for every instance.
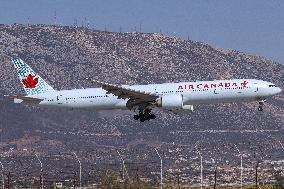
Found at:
(261, 103)
(145, 115)
(260, 108)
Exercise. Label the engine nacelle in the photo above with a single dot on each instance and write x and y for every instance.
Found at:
(188, 108)
(174, 103)
(185, 110)
(171, 102)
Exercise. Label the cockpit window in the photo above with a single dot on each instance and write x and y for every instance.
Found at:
(272, 86)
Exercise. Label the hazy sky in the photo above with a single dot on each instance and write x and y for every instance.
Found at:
(254, 26)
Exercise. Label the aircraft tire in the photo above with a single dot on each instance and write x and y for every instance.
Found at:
(152, 116)
(142, 119)
(260, 108)
(136, 117)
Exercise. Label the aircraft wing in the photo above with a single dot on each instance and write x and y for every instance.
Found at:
(24, 99)
(125, 92)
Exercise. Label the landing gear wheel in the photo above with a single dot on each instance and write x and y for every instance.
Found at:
(136, 117)
(142, 119)
(261, 103)
(152, 116)
(147, 117)
(144, 115)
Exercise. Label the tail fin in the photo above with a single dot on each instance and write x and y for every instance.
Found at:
(33, 84)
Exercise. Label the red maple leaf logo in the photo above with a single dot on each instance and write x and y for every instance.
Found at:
(30, 81)
(244, 83)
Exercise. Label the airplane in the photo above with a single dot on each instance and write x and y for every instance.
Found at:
(175, 97)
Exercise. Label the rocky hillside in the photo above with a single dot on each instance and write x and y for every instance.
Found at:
(62, 55)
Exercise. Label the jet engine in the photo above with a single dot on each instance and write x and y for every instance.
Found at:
(174, 103)
(185, 109)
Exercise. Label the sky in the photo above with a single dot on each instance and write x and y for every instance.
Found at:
(252, 26)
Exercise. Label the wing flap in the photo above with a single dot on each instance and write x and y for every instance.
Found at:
(125, 92)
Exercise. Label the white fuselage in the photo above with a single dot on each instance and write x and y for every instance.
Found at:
(199, 92)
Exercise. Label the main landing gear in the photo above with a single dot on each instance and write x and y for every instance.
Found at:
(261, 103)
(145, 115)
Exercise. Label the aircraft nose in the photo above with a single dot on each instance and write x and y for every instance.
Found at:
(278, 90)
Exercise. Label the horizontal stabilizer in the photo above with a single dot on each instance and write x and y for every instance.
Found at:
(24, 99)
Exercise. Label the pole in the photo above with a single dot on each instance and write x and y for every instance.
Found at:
(9, 180)
(41, 171)
(240, 154)
(123, 175)
(178, 180)
(137, 178)
(241, 171)
(3, 178)
(161, 169)
(215, 178)
(256, 176)
(201, 172)
(55, 17)
(74, 181)
(123, 165)
(201, 168)
(178, 172)
(80, 170)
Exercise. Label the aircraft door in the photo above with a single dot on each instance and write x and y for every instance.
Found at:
(156, 90)
(217, 91)
(256, 89)
(59, 99)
